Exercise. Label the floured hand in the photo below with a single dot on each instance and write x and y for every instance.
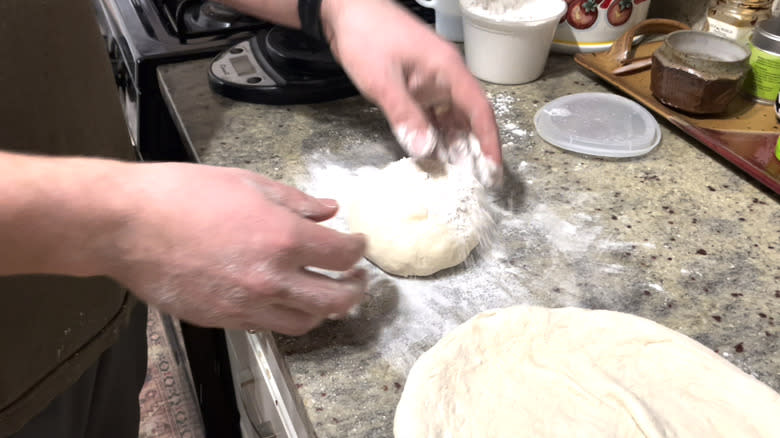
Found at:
(420, 82)
(230, 248)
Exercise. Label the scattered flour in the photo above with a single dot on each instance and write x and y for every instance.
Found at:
(657, 287)
(425, 306)
(422, 310)
(514, 10)
(564, 235)
(502, 104)
(516, 130)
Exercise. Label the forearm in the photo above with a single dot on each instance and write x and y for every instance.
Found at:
(57, 214)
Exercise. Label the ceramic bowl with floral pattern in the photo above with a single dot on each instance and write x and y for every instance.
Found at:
(593, 25)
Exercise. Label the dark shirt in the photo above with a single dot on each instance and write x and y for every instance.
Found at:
(57, 97)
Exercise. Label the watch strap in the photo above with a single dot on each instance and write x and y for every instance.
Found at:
(311, 23)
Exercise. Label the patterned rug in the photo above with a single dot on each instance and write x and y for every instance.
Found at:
(167, 400)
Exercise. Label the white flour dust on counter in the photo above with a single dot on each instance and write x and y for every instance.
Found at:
(502, 104)
(514, 129)
(414, 313)
(427, 307)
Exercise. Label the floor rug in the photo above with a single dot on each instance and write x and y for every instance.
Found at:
(167, 400)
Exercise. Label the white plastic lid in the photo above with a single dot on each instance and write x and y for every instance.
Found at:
(600, 124)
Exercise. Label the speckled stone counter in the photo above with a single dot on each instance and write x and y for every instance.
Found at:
(678, 236)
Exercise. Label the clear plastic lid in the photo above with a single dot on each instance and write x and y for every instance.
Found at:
(600, 124)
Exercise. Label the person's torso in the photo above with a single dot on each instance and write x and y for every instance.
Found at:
(57, 97)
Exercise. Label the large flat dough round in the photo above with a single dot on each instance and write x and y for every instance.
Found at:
(535, 372)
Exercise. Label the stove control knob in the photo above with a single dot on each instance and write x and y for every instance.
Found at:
(120, 75)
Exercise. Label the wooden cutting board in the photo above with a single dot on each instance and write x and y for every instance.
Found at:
(746, 134)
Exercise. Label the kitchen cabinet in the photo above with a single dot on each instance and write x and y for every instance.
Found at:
(679, 236)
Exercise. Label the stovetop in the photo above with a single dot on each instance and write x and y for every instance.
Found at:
(141, 35)
(192, 19)
(157, 31)
(157, 28)
(188, 19)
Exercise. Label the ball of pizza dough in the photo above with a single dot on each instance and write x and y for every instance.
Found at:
(420, 216)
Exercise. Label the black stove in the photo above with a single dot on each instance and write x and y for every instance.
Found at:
(144, 34)
(192, 19)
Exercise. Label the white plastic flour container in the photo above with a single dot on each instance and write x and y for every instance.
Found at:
(508, 41)
(448, 22)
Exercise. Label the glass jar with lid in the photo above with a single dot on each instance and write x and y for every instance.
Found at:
(736, 19)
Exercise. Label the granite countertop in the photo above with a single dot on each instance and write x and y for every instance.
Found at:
(679, 236)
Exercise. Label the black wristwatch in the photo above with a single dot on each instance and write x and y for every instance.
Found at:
(311, 21)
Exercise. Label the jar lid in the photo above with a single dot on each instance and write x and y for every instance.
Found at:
(766, 35)
(601, 124)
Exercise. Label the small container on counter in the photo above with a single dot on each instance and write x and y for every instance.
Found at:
(736, 19)
(762, 82)
(698, 72)
(594, 25)
(508, 42)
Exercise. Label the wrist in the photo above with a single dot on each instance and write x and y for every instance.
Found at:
(309, 14)
(329, 11)
(110, 205)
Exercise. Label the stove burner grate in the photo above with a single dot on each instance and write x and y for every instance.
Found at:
(191, 19)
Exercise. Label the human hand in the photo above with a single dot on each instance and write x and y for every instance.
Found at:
(431, 100)
(229, 248)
